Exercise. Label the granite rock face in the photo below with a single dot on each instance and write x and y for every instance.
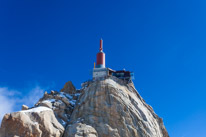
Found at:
(115, 109)
(36, 122)
(102, 108)
(80, 130)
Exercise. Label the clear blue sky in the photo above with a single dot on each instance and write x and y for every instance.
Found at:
(45, 43)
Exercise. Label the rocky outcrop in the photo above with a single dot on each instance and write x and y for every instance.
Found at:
(80, 130)
(68, 88)
(115, 109)
(61, 103)
(102, 108)
(47, 119)
(36, 122)
(24, 107)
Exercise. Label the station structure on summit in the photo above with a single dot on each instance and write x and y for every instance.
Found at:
(101, 71)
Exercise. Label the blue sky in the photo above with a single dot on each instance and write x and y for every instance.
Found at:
(45, 43)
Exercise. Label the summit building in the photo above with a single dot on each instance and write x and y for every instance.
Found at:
(100, 70)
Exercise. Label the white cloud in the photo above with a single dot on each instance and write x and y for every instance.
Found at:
(7, 104)
(33, 96)
(12, 100)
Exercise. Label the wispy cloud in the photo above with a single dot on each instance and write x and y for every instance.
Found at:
(11, 100)
(7, 104)
(33, 96)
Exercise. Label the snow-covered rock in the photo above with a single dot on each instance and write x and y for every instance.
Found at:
(36, 122)
(102, 108)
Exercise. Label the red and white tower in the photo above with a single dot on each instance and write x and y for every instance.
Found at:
(101, 56)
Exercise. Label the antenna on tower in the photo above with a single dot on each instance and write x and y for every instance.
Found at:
(101, 44)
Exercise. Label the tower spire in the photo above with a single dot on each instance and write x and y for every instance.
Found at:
(101, 45)
(100, 56)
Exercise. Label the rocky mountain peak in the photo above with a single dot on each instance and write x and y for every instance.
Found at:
(105, 108)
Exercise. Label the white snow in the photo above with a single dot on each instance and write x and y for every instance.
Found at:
(73, 102)
(68, 96)
(77, 94)
(63, 122)
(48, 100)
(37, 109)
(61, 95)
(59, 101)
(36, 123)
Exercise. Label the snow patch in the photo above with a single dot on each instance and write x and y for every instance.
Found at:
(73, 102)
(36, 123)
(48, 100)
(37, 109)
(61, 95)
(68, 96)
(77, 94)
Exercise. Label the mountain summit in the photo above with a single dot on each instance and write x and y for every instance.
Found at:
(108, 107)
